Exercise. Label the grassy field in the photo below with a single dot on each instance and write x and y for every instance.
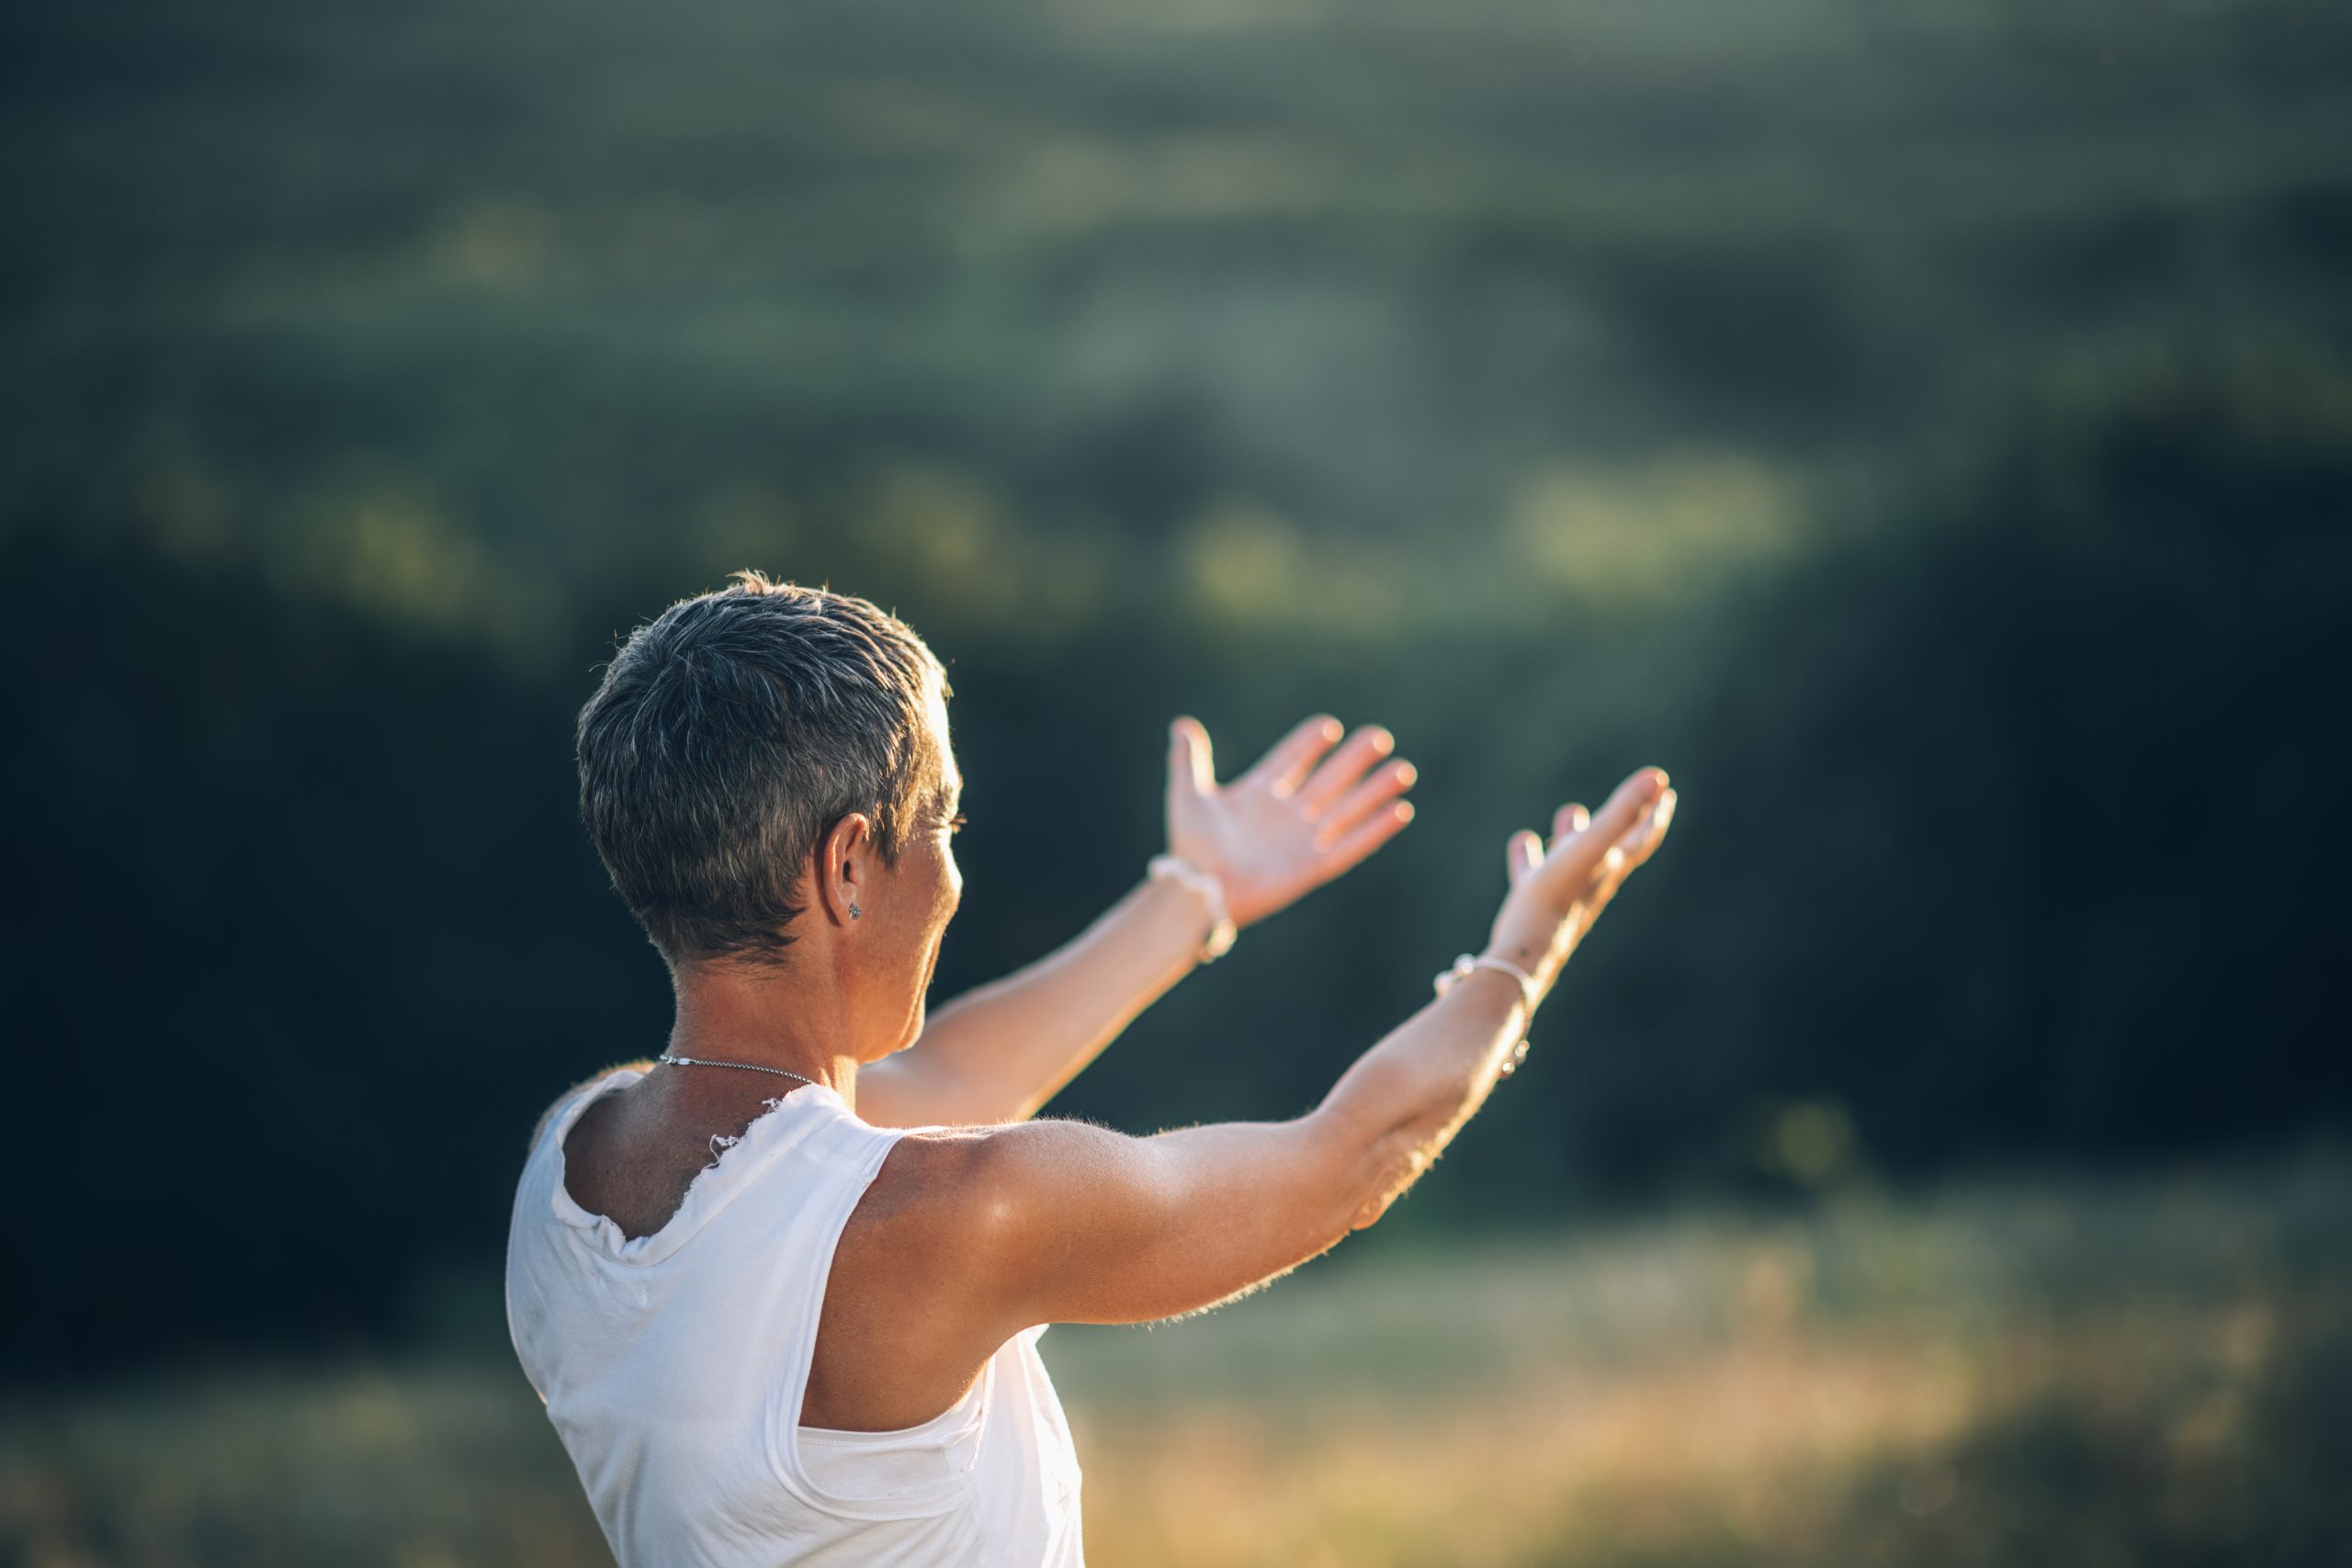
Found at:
(2155, 1372)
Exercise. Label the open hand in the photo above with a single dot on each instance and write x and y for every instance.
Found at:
(1558, 889)
(1287, 826)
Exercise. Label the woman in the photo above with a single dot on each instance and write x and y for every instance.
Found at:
(781, 1289)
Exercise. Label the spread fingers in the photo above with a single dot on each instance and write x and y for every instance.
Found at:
(1385, 784)
(1331, 783)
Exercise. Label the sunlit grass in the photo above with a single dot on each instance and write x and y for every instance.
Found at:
(2153, 1372)
(2149, 1371)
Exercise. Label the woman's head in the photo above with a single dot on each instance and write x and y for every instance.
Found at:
(769, 751)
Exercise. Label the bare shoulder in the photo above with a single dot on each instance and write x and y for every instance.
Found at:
(983, 1180)
(966, 1185)
(1058, 1220)
(935, 1269)
(590, 1081)
(989, 1205)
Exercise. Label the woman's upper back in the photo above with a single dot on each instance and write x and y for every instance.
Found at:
(675, 1364)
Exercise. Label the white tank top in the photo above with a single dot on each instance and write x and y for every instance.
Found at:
(674, 1367)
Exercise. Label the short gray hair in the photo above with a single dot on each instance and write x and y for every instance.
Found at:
(730, 735)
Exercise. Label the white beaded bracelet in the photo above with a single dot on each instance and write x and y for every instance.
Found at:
(1222, 931)
(1466, 964)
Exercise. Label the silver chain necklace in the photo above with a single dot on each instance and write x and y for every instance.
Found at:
(747, 1066)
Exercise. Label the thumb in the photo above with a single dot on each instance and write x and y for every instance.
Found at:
(1523, 852)
(1189, 762)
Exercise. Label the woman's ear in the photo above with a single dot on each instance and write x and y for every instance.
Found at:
(847, 867)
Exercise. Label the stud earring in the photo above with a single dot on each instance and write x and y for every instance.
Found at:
(853, 911)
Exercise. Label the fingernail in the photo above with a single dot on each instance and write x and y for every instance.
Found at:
(1405, 773)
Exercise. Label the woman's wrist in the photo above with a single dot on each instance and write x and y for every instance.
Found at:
(1208, 893)
(1531, 988)
(1530, 994)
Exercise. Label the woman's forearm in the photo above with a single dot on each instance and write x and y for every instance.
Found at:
(999, 1052)
(1404, 1100)
(1401, 1102)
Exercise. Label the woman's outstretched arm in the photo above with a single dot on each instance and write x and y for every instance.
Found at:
(1063, 1221)
(999, 1053)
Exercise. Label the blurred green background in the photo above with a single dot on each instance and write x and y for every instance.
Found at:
(1924, 428)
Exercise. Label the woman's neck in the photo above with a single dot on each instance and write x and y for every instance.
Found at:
(793, 1017)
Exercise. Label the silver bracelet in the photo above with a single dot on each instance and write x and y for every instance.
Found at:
(1468, 964)
(1222, 931)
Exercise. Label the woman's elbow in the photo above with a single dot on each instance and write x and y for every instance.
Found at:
(1363, 1174)
(1392, 1170)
